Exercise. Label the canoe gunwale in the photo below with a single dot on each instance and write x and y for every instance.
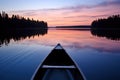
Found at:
(73, 66)
(79, 69)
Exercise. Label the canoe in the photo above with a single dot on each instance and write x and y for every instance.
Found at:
(58, 66)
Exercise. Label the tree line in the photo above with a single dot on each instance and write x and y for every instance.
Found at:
(17, 22)
(112, 22)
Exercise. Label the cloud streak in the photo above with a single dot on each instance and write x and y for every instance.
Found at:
(74, 15)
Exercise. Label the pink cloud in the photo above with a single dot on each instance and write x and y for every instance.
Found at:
(77, 15)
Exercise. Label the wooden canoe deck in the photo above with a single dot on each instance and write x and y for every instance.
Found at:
(58, 67)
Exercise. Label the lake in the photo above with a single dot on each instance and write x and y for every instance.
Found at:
(97, 57)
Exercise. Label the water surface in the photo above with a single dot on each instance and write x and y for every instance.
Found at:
(97, 57)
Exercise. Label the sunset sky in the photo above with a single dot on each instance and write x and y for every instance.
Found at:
(62, 12)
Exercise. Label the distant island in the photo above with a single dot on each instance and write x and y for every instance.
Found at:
(18, 22)
(107, 27)
(81, 27)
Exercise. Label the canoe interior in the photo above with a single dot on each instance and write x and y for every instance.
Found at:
(59, 58)
(57, 74)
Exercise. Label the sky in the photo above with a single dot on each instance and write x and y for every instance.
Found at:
(62, 12)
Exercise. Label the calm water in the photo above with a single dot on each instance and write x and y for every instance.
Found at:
(98, 58)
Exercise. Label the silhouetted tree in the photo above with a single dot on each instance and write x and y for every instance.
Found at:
(4, 15)
(17, 22)
(110, 22)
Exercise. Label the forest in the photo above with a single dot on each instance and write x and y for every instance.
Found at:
(18, 22)
(112, 22)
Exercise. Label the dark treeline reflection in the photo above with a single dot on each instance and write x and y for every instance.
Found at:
(109, 34)
(109, 28)
(7, 35)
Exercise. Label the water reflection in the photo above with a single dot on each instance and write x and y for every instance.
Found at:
(97, 57)
(79, 39)
(109, 34)
(16, 35)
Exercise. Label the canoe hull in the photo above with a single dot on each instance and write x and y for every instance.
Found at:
(58, 65)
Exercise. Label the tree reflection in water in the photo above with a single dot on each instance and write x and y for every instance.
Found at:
(112, 34)
(19, 34)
